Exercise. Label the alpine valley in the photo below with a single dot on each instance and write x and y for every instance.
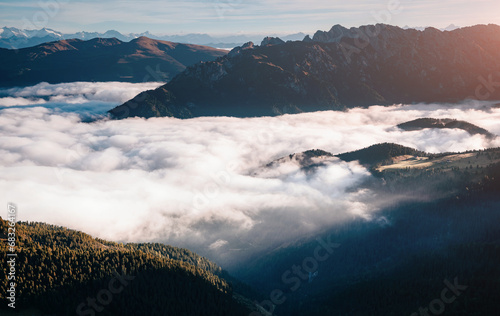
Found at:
(352, 172)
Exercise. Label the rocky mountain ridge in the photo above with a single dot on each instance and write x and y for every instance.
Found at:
(14, 38)
(142, 59)
(375, 64)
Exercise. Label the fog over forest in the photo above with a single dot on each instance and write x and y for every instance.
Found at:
(196, 183)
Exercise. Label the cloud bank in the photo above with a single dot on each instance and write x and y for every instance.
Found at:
(193, 183)
(85, 98)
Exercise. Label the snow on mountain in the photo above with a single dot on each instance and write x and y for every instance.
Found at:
(13, 38)
(8, 32)
(43, 32)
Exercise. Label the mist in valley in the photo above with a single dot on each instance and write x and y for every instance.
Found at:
(203, 183)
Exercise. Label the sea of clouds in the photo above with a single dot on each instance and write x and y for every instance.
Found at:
(192, 183)
(84, 98)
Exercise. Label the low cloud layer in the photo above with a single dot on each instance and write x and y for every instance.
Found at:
(86, 98)
(192, 183)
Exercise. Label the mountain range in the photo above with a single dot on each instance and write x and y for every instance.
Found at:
(14, 38)
(142, 59)
(334, 70)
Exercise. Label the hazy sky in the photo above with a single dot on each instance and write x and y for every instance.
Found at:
(240, 16)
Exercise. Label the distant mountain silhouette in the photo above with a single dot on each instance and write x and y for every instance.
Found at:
(139, 60)
(338, 69)
(14, 38)
(423, 123)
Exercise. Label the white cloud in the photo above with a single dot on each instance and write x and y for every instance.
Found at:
(218, 244)
(192, 183)
(81, 97)
(11, 101)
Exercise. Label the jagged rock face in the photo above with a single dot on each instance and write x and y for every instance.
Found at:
(336, 33)
(307, 39)
(269, 41)
(235, 51)
(339, 69)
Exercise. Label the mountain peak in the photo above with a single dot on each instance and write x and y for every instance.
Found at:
(269, 41)
(335, 34)
(142, 38)
(100, 59)
(451, 27)
(307, 39)
(237, 50)
(112, 32)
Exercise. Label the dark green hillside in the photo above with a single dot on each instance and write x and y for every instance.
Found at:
(423, 123)
(438, 221)
(58, 269)
(379, 154)
(397, 262)
(179, 254)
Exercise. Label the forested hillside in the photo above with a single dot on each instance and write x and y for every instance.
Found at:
(400, 261)
(62, 272)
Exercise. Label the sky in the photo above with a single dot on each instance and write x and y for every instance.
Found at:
(224, 17)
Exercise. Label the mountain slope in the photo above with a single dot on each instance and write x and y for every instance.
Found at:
(58, 269)
(139, 60)
(379, 154)
(397, 261)
(333, 72)
(423, 123)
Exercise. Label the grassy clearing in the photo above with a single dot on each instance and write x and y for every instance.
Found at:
(474, 160)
